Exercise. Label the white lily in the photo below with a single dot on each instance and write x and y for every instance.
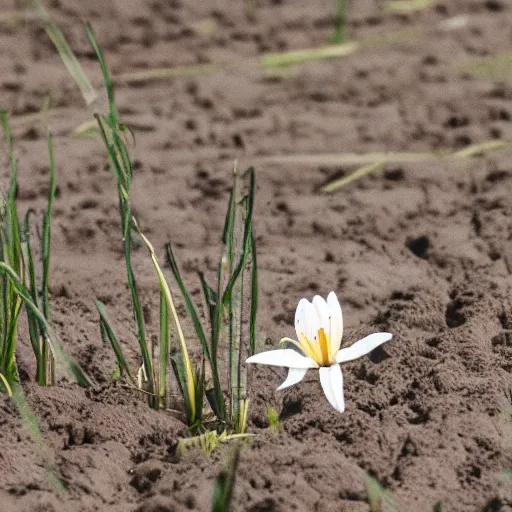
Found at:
(319, 327)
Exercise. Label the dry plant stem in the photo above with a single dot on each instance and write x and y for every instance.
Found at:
(384, 156)
(377, 161)
(363, 171)
(406, 6)
(66, 53)
(493, 67)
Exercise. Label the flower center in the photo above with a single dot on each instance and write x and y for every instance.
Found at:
(318, 349)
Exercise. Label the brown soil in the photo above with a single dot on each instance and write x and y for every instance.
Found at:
(423, 250)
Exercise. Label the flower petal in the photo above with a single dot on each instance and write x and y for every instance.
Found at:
(306, 320)
(286, 357)
(324, 313)
(331, 379)
(336, 322)
(295, 375)
(362, 347)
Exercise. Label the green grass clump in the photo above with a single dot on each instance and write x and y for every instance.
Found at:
(273, 420)
(231, 308)
(152, 375)
(231, 305)
(230, 330)
(19, 286)
(11, 256)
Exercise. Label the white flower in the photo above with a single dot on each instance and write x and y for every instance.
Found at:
(319, 327)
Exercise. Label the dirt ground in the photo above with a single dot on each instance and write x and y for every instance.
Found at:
(423, 250)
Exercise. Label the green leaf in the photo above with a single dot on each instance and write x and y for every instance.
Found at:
(46, 241)
(107, 333)
(67, 361)
(212, 397)
(33, 325)
(118, 154)
(164, 349)
(210, 298)
(171, 260)
(254, 298)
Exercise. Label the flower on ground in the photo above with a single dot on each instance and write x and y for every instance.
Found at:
(319, 326)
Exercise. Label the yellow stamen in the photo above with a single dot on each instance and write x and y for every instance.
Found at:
(305, 348)
(309, 347)
(325, 349)
(319, 349)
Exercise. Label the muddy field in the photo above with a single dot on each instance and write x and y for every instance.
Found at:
(421, 249)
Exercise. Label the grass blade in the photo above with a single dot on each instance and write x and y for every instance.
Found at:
(360, 173)
(11, 254)
(397, 157)
(118, 155)
(254, 298)
(272, 60)
(111, 337)
(229, 313)
(66, 53)
(171, 260)
(340, 22)
(246, 235)
(123, 186)
(210, 298)
(33, 325)
(166, 292)
(406, 6)
(47, 359)
(106, 76)
(225, 483)
(164, 349)
(6, 385)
